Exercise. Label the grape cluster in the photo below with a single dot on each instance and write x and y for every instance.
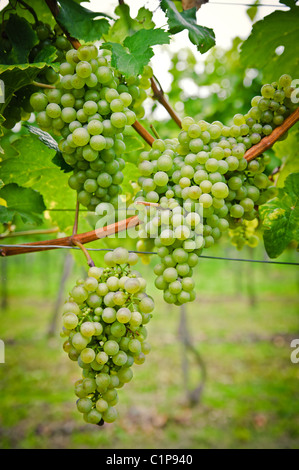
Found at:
(90, 108)
(204, 186)
(104, 319)
(48, 37)
(245, 234)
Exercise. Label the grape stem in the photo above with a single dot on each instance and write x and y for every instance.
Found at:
(269, 140)
(90, 261)
(43, 85)
(149, 139)
(154, 131)
(9, 233)
(75, 227)
(83, 238)
(160, 96)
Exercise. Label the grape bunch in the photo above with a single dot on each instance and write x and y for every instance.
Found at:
(90, 108)
(204, 185)
(104, 320)
(245, 234)
(50, 37)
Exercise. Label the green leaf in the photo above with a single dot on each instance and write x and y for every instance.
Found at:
(22, 38)
(133, 143)
(17, 76)
(259, 51)
(252, 10)
(139, 50)
(125, 25)
(131, 173)
(47, 54)
(286, 151)
(289, 3)
(32, 167)
(51, 143)
(25, 202)
(40, 7)
(201, 36)
(280, 217)
(80, 22)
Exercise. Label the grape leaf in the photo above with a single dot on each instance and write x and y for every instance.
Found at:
(286, 151)
(51, 143)
(131, 173)
(137, 50)
(201, 36)
(22, 38)
(16, 76)
(289, 3)
(259, 51)
(40, 7)
(125, 25)
(80, 22)
(133, 143)
(47, 54)
(32, 167)
(25, 202)
(280, 217)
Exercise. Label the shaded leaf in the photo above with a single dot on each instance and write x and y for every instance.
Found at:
(25, 202)
(201, 36)
(80, 22)
(22, 38)
(32, 167)
(17, 76)
(286, 151)
(260, 50)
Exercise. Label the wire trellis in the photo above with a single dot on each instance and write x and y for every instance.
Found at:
(150, 253)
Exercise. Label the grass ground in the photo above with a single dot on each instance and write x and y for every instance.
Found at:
(241, 325)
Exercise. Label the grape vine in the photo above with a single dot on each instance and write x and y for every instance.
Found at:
(208, 180)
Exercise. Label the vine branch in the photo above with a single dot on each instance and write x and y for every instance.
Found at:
(82, 238)
(160, 96)
(149, 139)
(54, 8)
(75, 227)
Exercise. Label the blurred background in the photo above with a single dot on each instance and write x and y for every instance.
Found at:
(234, 386)
(220, 373)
